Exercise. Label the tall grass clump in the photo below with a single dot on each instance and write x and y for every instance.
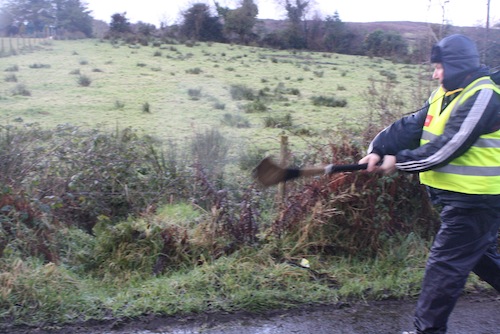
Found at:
(236, 121)
(285, 121)
(84, 80)
(118, 105)
(12, 68)
(194, 93)
(46, 292)
(209, 150)
(389, 75)
(328, 101)
(146, 108)
(219, 105)
(20, 90)
(11, 78)
(257, 106)
(39, 65)
(195, 70)
(242, 92)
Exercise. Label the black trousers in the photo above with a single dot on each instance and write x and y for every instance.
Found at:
(466, 241)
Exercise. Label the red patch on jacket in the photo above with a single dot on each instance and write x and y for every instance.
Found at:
(428, 120)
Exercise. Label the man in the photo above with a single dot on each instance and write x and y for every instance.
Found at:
(454, 143)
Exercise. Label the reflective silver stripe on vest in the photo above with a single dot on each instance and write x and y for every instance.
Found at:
(480, 142)
(470, 170)
(426, 135)
(487, 142)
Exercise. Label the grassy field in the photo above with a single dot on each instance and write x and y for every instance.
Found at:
(173, 91)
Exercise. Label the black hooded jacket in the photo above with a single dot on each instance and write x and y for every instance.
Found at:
(460, 61)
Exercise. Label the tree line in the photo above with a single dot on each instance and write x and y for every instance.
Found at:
(201, 22)
(44, 18)
(240, 25)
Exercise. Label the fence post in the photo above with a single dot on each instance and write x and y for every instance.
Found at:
(283, 163)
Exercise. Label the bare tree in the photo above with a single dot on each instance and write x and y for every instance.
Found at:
(444, 21)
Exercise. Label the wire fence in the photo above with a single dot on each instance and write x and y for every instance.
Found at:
(10, 46)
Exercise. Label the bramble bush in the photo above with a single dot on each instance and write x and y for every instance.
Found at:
(82, 174)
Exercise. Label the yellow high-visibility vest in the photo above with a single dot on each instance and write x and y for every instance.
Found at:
(477, 171)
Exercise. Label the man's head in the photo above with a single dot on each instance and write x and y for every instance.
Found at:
(458, 57)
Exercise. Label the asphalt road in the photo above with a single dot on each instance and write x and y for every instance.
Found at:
(474, 314)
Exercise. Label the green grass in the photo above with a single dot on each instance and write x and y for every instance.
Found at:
(59, 99)
(248, 280)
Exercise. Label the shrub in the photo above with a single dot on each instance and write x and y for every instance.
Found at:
(146, 108)
(328, 101)
(13, 68)
(20, 89)
(351, 214)
(241, 92)
(209, 150)
(249, 158)
(319, 74)
(195, 70)
(281, 89)
(38, 65)
(156, 246)
(235, 121)
(254, 106)
(84, 80)
(304, 132)
(89, 173)
(389, 75)
(26, 229)
(278, 122)
(235, 214)
(119, 104)
(219, 105)
(11, 78)
(194, 93)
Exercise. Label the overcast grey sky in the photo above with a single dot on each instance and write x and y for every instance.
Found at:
(457, 12)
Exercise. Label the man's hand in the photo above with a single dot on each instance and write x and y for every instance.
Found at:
(372, 160)
(388, 165)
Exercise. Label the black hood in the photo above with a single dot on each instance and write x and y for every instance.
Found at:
(459, 57)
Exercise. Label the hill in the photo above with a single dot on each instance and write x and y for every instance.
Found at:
(413, 32)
